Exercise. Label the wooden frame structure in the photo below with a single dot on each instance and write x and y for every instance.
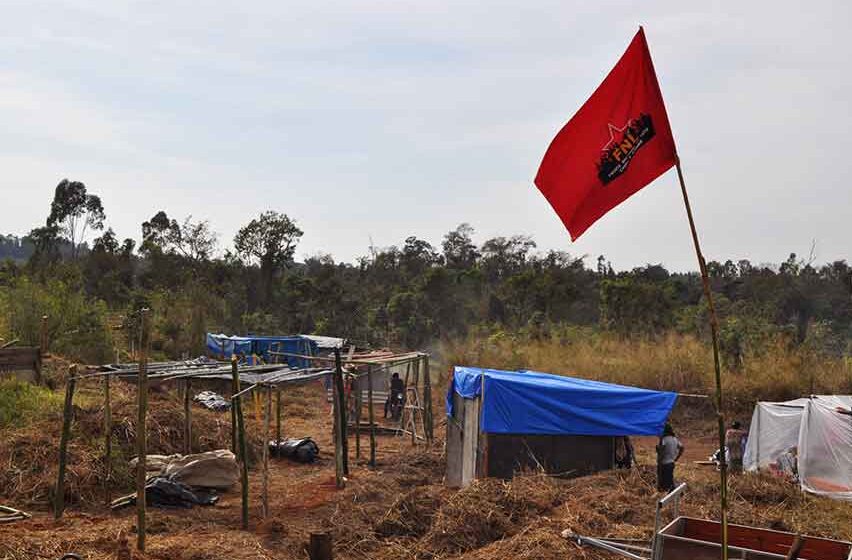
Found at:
(259, 379)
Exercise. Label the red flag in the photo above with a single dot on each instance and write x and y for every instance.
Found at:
(618, 142)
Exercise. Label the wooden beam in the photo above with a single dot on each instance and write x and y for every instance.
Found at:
(107, 441)
(187, 416)
(278, 423)
(371, 416)
(243, 458)
(428, 419)
(141, 432)
(337, 394)
(267, 419)
(67, 413)
(235, 389)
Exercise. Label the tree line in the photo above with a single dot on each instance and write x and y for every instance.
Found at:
(75, 270)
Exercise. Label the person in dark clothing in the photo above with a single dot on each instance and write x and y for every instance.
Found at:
(397, 388)
(669, 451)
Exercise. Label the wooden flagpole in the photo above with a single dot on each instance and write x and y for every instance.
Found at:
(714, 331)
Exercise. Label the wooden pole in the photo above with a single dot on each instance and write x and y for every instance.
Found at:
(371, 416)
(243, 458)
(278, 422)
(267, 419)
(43, 336)
(107, 441)
(235, 388)
(714, 332)
(67, 413)
(337, 393)
(187, 416)
(795, 548)
(357, 418)
(141, 433)
(427, 404)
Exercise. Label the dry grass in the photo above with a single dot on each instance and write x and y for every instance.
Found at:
(672, 362)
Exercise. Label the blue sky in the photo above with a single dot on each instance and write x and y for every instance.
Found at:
(386, 119)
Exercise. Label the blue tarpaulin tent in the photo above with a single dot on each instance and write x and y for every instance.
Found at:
(531, 402)
(219, 344)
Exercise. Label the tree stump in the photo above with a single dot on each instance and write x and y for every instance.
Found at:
(320, 547)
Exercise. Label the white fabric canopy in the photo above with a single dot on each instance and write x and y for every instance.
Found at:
(819, 427)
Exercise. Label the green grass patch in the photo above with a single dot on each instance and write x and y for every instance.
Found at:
(21, 402)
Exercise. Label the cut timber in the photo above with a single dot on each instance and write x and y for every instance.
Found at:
(67, 413)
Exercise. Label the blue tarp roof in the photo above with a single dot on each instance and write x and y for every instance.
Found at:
(531, 402)
(219, 344)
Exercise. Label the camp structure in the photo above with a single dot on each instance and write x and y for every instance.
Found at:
(814, 433)
(501, 422)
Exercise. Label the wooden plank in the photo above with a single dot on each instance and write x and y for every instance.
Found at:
(455, 438)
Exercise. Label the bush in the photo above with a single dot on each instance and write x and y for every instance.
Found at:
(22, 402)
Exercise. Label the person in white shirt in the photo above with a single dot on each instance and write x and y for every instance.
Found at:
(669, 451)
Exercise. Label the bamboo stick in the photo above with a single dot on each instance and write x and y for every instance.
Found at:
(67, 413)
(357, 419)
(141, 433)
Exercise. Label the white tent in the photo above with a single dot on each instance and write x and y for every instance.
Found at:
(820, 427)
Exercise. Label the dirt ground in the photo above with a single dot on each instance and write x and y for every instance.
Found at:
(402, 510)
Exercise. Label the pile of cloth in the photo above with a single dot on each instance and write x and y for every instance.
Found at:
(212, 401)
(185, 480)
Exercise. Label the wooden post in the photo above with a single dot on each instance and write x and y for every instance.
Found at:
(267, 418)
(337, 393)
(187, 416)
(141, 433)
(107, 440)
(415, 366)
(714, 332)
(358, 405)
(235, 388)
(320, 547)
(243, 458)
(371, 416)
(427, 404)
(67, 413)
(278, 422)
(795, 548)
(43, 336)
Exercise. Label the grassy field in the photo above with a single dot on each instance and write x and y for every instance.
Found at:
(672, 362)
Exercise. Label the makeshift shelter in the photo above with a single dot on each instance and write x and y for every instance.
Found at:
(820, 430)
(500, 422)
(224, 346)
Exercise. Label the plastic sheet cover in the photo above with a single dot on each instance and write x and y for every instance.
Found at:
(825, 449)
(774, 430)
(529, 402)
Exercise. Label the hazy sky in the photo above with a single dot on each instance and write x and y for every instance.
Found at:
(388, 119)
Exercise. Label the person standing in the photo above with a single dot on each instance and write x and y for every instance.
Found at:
(734, 438)
(669, 451)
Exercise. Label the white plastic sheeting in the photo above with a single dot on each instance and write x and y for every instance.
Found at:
(825, 450)
(821, 429)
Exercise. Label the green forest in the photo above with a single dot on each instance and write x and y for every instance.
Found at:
(91, 284)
